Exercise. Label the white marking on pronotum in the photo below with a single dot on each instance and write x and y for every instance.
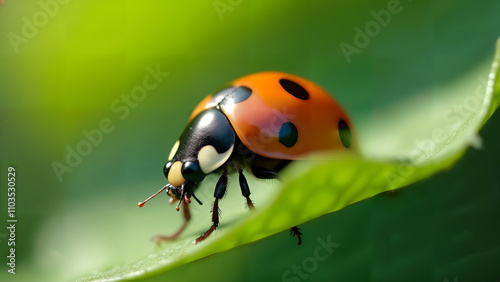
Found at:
(210, 160)
(174, 150)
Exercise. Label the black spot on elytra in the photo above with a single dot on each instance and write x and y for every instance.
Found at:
(345, 134)
(288, 134)
(294, 89)
(221, 94)
(238, 94)
(231, 95)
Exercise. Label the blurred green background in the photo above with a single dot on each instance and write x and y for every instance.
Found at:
(67, 67)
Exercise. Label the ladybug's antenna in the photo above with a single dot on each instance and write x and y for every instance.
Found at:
(154, 195)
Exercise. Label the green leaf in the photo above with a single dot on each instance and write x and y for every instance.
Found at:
(316, 187)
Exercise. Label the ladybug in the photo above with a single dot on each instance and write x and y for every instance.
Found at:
(260, 122)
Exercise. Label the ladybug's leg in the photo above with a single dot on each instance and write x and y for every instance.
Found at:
(295, 231)
(245, 190)
(187, 217)
(220, 190)
(265, 173)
